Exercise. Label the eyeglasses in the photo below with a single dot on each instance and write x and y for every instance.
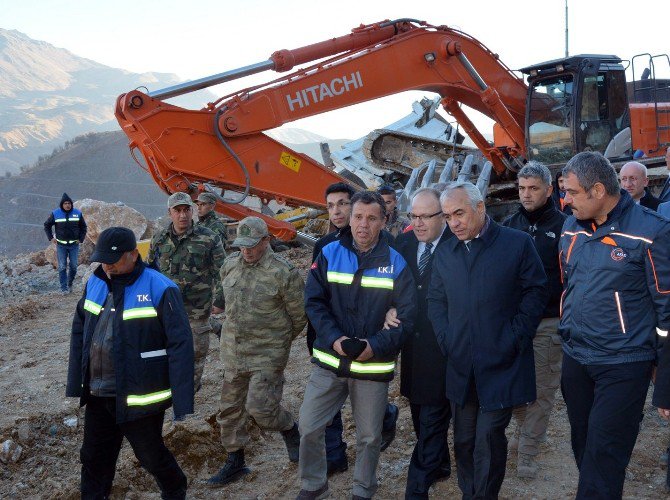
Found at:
(339, 204)
(423, 218)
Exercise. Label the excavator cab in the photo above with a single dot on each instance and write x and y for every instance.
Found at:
(577, 104)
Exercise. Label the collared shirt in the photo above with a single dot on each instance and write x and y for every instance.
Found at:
(487, 223)
(422, 246)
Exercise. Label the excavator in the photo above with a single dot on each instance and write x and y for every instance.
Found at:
(568, 105)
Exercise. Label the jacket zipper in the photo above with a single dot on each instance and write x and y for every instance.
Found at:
(618, 306)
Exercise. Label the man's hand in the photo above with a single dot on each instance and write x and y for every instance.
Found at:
(367, 353)
(391, 320)
(337, 346)
(665, 414)
(53, 241)
(217, 310)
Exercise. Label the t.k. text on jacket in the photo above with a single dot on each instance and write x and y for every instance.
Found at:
(348, 294)
(616, 279)
(152, 344)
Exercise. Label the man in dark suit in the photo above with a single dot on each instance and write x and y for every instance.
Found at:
(633, 176)
(485, 301)
(423, 365)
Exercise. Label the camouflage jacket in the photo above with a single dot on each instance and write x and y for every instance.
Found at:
(192, 261)
(214, 223)
(396, 224)
(264, 312)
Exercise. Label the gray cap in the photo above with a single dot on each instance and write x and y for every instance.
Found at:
(207, 198)
(250, 231)
(179, 198)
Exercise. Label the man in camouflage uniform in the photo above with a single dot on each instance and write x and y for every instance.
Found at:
(191, 256)
(264, 313)
(396, 223)
(208, 218)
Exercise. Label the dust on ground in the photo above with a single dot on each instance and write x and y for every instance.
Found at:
(34, 347)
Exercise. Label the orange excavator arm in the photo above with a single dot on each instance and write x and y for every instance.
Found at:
(223, 145)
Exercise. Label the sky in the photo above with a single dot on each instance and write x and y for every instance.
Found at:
(203, 37)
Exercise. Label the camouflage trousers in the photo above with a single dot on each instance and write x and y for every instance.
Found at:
(533, 419)
(201, 330)
(255, 394)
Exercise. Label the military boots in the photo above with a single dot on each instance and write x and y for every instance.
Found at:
(292, 440)
(233, 470)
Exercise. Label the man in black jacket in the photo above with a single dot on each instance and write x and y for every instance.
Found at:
(350, 287)
(131, 358)
(70, 231)
(539, 217)
(486, 297)
(423, 365)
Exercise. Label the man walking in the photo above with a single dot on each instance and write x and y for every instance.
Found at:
(485, 301)
(70, 231)
(264, 313)
(615, 266)
(131, 358)
(350, 287)
(191, 256)
(423, 365)
(539, 217)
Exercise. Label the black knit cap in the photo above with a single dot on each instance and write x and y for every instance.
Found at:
(112, 244)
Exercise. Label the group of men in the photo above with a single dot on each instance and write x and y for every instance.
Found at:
(490, 319)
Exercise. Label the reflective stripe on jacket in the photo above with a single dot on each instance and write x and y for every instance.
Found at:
(349, 295)
(70, 227)
(153, 346)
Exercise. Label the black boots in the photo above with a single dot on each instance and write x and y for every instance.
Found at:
(233, 470)
(292, 440)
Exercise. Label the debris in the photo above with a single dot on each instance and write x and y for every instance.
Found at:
(71, 422)
(10, 452)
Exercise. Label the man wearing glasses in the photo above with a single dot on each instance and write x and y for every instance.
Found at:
(539, 217)
(423, 365)
(338, 203)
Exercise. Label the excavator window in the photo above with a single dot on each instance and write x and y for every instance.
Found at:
(550, 119)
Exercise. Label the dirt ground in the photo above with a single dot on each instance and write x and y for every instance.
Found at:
(34, 343)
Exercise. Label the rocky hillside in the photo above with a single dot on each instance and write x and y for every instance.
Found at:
(49, 95)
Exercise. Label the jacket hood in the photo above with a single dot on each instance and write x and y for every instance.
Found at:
(64, 199)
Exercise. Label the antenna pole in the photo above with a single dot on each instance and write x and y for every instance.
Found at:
(566, 28)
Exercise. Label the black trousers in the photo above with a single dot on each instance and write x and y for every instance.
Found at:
(480, 447)
(430, 458)
(605, 407)
(102, 443)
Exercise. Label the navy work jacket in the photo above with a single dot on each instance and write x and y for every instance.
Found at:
(485, 305)
(348, 295)
(616, 280)
(153, 344)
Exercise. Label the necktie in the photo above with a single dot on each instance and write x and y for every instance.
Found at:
(425, 258)
(467, 245)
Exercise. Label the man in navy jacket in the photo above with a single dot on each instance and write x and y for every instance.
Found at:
(131, 358)
(485, 301)
(350, 287)
(615, 261)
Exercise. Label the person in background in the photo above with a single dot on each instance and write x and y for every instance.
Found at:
(539, 217)
(396, 223)
(485, 301)
(207, 216)
(191, 256)
(70, 229)
(634, 179)
(131, 358)
(558, 194)
(615, 261)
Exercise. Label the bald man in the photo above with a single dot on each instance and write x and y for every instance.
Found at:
(633, 177)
